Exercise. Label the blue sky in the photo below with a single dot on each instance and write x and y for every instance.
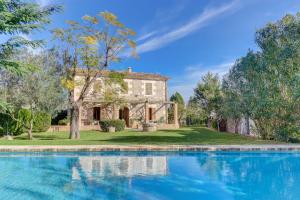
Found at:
(183, 39)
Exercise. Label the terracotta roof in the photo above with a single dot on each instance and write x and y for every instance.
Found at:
(131, 75)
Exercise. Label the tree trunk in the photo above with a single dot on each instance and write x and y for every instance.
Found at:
(247, 125)
(74, 122)
(30, 130)
(236, 126)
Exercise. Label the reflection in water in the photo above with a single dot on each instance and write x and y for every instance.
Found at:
(254, 175)
(155, 176)
(103, 166)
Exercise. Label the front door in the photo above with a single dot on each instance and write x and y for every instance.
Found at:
(151, 114)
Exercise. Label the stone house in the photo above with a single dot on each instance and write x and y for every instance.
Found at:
(144, 101)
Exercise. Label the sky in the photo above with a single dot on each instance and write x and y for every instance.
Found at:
(181, 39)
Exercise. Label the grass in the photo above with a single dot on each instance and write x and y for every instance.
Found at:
(184, 136)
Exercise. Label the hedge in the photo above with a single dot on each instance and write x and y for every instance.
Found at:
(117, 123)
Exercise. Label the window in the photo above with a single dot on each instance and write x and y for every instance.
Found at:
(148, 88)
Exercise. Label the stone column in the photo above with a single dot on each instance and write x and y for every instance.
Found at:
(175, 113)
(146, 120)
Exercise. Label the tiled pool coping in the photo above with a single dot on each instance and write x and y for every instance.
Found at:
(76, 148)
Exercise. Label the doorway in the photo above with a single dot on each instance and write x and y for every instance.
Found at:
(151, 115)
(124, 114)
(97, 113)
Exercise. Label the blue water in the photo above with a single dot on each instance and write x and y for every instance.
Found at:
(143, 176)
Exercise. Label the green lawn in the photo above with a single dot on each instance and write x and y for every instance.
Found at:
(197, 135)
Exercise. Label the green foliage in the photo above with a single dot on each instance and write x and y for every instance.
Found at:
(208, 95)
(12, 126)
(177, 98)
(265, 85)
(214, 124)
(63, 122)
(195, 114)
(9, 126)
(117, 123)
(19, 17)
(41, 122)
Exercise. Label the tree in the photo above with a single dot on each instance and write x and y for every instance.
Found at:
(89, 47)
(208, 94)
(267, 84)
(39, 91)
(194, 113)
(177, 98)
(18, 17)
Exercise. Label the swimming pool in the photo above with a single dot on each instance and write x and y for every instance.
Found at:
(150, 175)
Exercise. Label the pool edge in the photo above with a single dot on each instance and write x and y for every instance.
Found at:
(87, 148)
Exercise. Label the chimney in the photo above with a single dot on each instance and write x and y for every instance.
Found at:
(129, 69)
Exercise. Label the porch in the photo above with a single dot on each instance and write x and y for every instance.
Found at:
(134, 113)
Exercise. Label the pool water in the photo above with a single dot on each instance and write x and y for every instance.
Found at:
(154, 175)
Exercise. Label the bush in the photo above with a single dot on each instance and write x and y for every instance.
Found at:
(13, 127)
(41, 122)
(118, 124)
(63, 122)
(8, 125)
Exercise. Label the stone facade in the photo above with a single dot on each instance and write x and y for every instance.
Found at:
(144, 101)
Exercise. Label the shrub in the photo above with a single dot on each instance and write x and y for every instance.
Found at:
(63, 122)
(7, 124)
(41, 122)
(117, 123)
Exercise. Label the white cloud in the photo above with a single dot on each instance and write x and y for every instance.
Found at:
(147, 35)
(186, 83)
(196, 71)
(195, 24)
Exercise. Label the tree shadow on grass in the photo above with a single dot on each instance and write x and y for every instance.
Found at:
(181, 136)
(42, 137)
